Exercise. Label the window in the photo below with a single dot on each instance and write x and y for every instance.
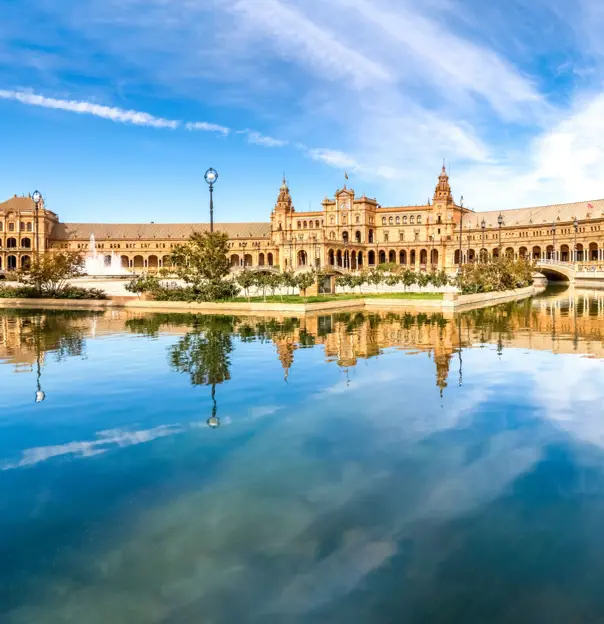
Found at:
(386, 237)
(401, 236)
(299, 225)
(391, 221)
(404, 220)
(317, 224)
(412, 219)
(332, 235)
(416, 236)
(310, 224)
(419, 219)
(305, 224)
(1, 226)
(11, 227)
(22, 229)
(29, 227)
(332, 219)
(438, 219)
(358, 218)
(383, 220)
(398, 220)
(344, 220)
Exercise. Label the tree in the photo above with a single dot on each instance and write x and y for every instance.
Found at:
(409, 278)
(51, 271)
(246, 279)
(274, 281)
(305, 280)
(375, 277)
(289, 279)
(203, 258)
(203, 264)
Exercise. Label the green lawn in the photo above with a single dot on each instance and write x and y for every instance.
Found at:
(323, 298)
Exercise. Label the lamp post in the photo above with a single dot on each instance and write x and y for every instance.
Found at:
(576, 226)
(553, 241)
(211, 176)
(461, 232)
(483, 226)
(40, 394)
(500, 222)
(213, 421)
(37, 197)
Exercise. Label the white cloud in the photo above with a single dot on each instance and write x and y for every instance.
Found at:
(118, 115)
(207, 127)
(255, 138)
(297, 37)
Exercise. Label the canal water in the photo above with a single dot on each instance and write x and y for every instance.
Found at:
(349, 468)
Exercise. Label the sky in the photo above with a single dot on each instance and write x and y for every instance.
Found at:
(114, 109)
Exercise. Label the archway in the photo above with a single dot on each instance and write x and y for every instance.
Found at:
(360, 259)
(25, 262)
(371, 236)
(371, 258)
(495, 253)
(412, 257)
(270, 259)
(536, 253)
(402, 257)
(11, 243)
(392, 256)
(247, 260)
(509, 253)
(471, 255)
(353, 260)
(580, 255)
(261, 259)
(423, 256)
(484, 255)
(554, 274)
(564, 253)
(126, 262)
(456, 257)
(345, 237)
(593, 251)
(522, 252)
(339, 258)
(11, 263)
(235, 262)
(330, 257)
(26, 243)
(434, 258)
(153, 262)
(139, 263)
(357, 236)
(382, 257)
(346, 259)
(549, 252)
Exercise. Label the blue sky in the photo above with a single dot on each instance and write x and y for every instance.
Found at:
(115, 108)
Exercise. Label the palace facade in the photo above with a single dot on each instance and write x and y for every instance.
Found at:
(349, 232)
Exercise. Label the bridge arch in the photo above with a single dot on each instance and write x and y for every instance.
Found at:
(556, 272)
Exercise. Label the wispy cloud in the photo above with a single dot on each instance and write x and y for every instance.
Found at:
(118, 115)
(207, 127)
(255, 138)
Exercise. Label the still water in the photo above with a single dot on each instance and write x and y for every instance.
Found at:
(366, 467)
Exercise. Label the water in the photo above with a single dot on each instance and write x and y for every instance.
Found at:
(366, 468)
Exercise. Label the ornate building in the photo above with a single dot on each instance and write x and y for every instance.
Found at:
(348, 232)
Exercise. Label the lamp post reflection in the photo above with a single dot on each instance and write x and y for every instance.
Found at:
(40, 394)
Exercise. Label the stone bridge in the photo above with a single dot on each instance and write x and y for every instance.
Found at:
(557, 270)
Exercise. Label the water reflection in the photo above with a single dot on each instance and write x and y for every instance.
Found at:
(320, 498)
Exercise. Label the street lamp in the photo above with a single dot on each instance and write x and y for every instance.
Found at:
(37, 197)
(211, 176)
(483, 226)
(576, 226)
(500, 222)
(213, 421)
(553, 241)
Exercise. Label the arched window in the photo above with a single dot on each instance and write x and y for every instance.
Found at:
(411, 219)
(358, 218)
(332, 235)
(419, 219)
(391, 220)
(317, 223)
(332, 219)
(11, 243)
(305, 225)
(11, 227)
(22, 228)
(398, 220)
(371, 236)
(310, 224)
(404, 220)
(26, 243)
(345, 236)
(383, 220)
(299, 225)
(29, 227)
(357, 236)
(344, 219)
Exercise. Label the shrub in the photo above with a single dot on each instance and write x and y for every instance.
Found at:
(67, 292)
(500, 274)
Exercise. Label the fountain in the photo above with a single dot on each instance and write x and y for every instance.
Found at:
(103, 264)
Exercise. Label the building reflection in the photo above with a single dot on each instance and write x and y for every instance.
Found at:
(567, 322)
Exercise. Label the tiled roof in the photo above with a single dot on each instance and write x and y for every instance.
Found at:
(16, 204)
(540, 215)
(176, 231)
